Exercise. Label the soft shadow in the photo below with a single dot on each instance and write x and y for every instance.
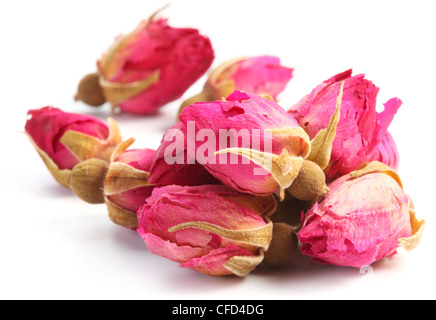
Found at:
(302, 269)
(128, 238)
(193, 281)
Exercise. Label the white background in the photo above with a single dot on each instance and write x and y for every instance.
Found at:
(53, 246)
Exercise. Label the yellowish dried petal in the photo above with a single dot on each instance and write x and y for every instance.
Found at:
(323, 142)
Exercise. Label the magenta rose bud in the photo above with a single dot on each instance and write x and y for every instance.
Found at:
(247, 142)
(361, 134)
(386, 152)
(365, 217)
(150, 67)
(211, 229)
(165, 172)
(262, 75)
(65, 139)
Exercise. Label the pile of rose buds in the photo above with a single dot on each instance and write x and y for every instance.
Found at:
(238, 181)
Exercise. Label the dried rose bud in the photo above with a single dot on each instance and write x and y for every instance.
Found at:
(262, 132)
(164, 172)
(126, 185)
(211, 229)
(360, 130)
(64, 139)
(262, 75)
(152, 66)
(365, 217)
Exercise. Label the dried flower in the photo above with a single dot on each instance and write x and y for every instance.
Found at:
(262, 75)
(261, 132)
(211, 229)
(365, 217)
(64, 139)
(360, 129)
(152, 66)
(182, 173)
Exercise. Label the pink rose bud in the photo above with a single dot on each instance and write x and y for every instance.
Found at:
(365, 217)
(211, 229)
(64, 139)
(251, 144)
(262, 75)
(181, 173)
(360, 130)
(149, 67)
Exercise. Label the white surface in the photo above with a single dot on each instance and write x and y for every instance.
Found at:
(53, 246)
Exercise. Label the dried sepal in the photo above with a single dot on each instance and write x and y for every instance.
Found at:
(85, 147)
(376, 166)
(87, 180)
(121, 216)
(60, 175)
(120, 148)
(203, 96)
(298, 138)
(283, 168)
(243, 265)
(259, 237)
(417, 231)
(117, 92)
(322, 144)
(122, 177)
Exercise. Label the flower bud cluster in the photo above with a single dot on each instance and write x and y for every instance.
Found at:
(238, 181)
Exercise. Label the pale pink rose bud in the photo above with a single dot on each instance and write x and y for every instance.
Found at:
(262, 75)
(361, 128)
(365, 217)
(63, 139)
(252, 145)
(149, 67)
(211, 229)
